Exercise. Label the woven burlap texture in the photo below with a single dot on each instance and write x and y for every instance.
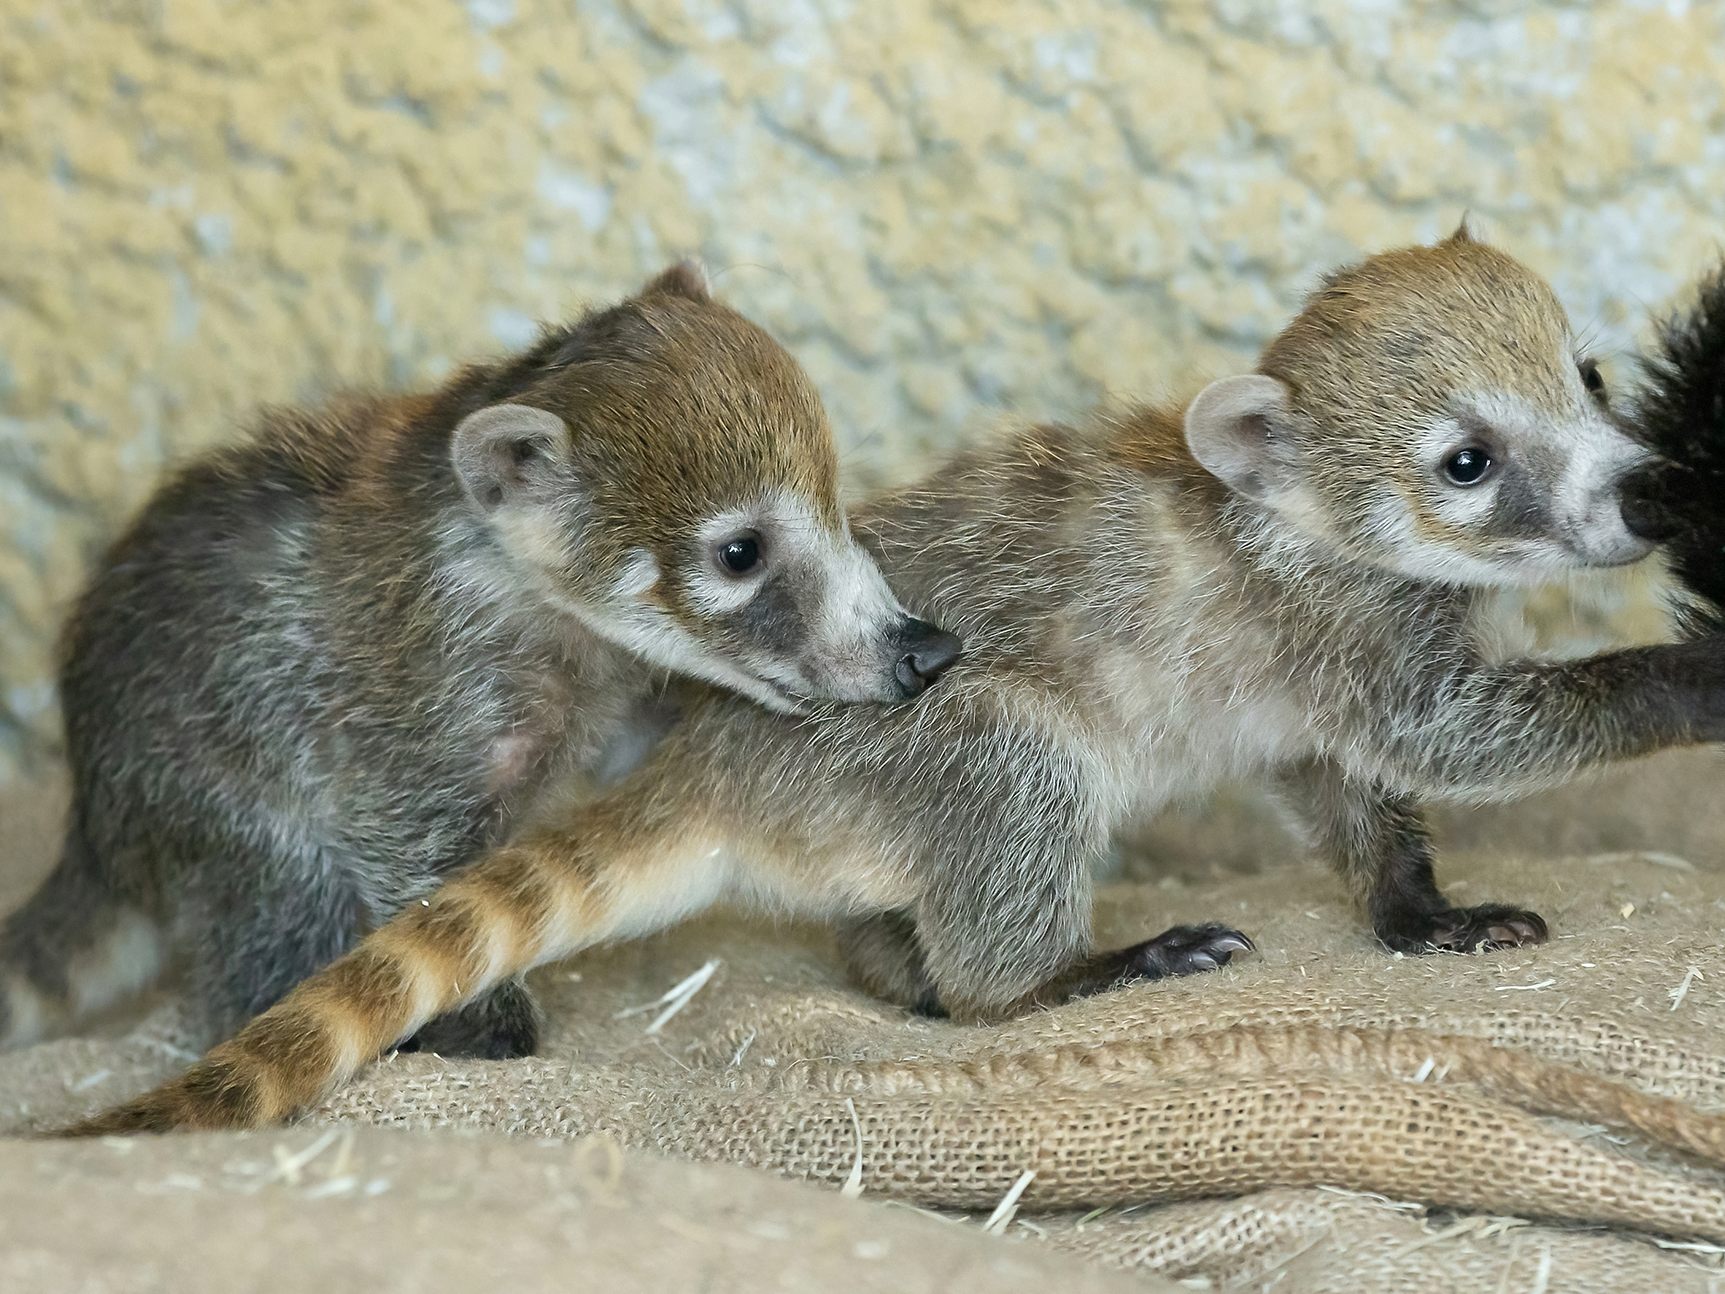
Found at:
(1321, 1114)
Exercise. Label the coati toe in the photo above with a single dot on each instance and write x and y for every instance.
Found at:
(1184, 950)
(503, 1025)
(1485, 928)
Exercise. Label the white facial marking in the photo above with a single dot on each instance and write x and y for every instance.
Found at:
(1391, 523)
(1456, 504)
(859, 605)
(845, 601)
(712, 591)
(1573, 463)
(654, 636)
(534, 536)
(1589, 502)
(640, 573)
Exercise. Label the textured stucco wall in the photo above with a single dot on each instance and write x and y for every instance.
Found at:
(946, 209)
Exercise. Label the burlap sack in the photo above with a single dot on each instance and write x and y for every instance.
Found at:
(1225, 1128)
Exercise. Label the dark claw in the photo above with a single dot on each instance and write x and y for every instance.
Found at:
(1185, 950)
(1485, 928)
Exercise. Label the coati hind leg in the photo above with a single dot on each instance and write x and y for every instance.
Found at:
(267, 920)
(1380, 844)
(254, 952)
(503, 1024)
(1178, 950)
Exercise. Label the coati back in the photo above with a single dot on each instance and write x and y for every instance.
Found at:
(1279, 579)
(328, 665)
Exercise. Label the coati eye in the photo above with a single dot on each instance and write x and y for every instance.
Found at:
(1468, 466)
(739, 555)
(1592, 380)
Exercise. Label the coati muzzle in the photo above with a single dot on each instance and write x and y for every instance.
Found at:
(925, 653)
(1645, 503)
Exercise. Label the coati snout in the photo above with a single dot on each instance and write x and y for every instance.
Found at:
(1647, 497)
(927, 653)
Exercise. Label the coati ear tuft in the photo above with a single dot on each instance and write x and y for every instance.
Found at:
(687, 278)
(1238, 430)
(1464, 232)
(509, 453)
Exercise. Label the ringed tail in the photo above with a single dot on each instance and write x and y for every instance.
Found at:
(524, 905)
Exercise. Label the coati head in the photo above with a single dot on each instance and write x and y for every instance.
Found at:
(664, 471)
(1427, 413)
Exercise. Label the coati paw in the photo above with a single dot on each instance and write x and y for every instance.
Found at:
(1184, 950)
(504, 1025)
(1464, 930)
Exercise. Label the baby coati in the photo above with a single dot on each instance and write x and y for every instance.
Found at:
(327, 666)
(1281, 578)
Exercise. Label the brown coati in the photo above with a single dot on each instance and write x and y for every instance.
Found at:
(329, 665)
(1283, 577)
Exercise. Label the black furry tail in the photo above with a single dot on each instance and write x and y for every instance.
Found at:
(1681, 416)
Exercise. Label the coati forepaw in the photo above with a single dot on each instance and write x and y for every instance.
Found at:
(1185, 950)
(1464, 930)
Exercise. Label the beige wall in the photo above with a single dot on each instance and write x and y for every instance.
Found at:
(946, 209)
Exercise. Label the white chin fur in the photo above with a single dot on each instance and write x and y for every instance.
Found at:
(666, 646)
(661, 643)
(1438, 565)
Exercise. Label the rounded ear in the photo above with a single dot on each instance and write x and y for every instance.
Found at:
(1238, 429)
(687, 278)
(508, 453)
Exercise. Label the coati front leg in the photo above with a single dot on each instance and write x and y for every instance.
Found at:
(1476, 732)
(1380, 844)
(1004, 916)
(886, 958)
(1472, 731)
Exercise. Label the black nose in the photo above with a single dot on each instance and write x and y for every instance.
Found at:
(1645, 502)
(927, 654)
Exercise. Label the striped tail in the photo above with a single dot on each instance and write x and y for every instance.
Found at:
(527, 904)
(71, 950)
